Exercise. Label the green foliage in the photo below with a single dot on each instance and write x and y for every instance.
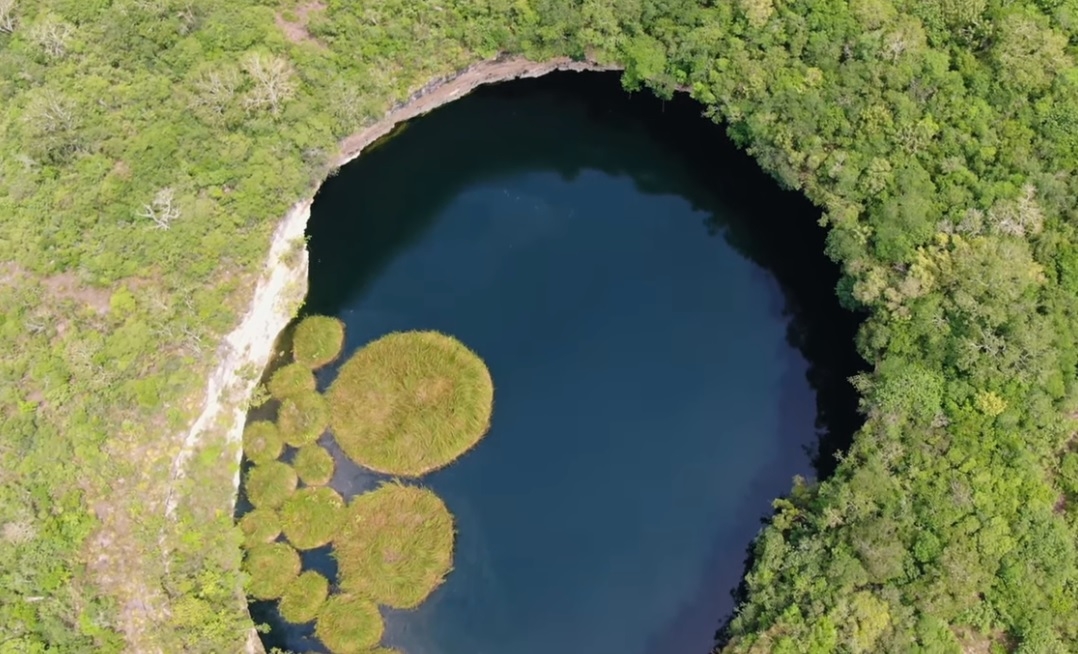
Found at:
(260, 526)
(291, 380)
(261, 441)
(268, 485)
(395, 545)
(311, 517)
(271, 567)
(143, 169)
(302, 418)
(349, 624)
(317, 341)
(314, 465)
(410, 402)
(303, 598)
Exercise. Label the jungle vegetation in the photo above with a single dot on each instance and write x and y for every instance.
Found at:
(148, 147)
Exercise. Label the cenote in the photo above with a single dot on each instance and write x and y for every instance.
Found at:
(665, 341)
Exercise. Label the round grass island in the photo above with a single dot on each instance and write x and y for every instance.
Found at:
(349, 624)
(411, 402)
(290, 380)
(395, 545)
(317, 341)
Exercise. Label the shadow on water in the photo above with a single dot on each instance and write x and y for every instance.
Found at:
(782, 238)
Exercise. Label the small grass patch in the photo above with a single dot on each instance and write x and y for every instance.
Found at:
(314, 465)
(261, 441)
(302, 418)
(260, 526)
(303, 598)
(268, 485)
(317, 341)
(311, 517)
(395, 545)
(291, 380)
(349, 624)
(272, 567)
(410, 402)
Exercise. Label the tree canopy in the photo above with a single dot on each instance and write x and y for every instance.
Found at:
(150, 146)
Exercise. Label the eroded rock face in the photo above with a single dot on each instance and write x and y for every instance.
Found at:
(282, 286)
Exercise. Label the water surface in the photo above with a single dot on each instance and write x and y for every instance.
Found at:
(652, 309)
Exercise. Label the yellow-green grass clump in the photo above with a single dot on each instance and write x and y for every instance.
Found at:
(268, 485)
(410, 402)
(349, 624)
(395, 545)
(302, 418)
(291, 380)
(311, 517)
(272, 567)
(260, 526)
(303, 598)
(314, 465)
(317, 341)
(262, 442)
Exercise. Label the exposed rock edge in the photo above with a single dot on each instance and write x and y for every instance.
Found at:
(282, 286)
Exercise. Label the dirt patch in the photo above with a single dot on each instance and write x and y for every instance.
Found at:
(67, 286)
(296, 31)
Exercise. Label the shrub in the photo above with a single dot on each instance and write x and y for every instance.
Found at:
(268, 485)
(395, 545)
(317, 341)
(311, 517)
(291, 380)
(303, 597)
(261, 441)
(349, 624)
(302, 418)
(314, 465)
(271, 566)
(410, 402)
(260, 526)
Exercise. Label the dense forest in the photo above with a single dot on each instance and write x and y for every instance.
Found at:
(148, 147)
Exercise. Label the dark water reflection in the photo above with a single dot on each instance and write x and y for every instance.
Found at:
(656, 387)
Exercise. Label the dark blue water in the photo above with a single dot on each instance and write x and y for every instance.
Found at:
(660, 355)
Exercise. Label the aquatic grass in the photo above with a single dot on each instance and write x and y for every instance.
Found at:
(311, 517)
(410, 402)
(349, 624)
(291, 380)
(314, 465)
(271, 567)
(268, 485)
(262, 442)
(395, 545)
(302, 418)
(317, 340)
(260, 526)
(303, 598)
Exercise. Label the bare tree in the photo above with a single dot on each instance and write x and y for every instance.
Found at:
(1020, 216)
(52, 35)
(215, 91)
(274, 82)
(50, 112)
(7, 16)
(162, 211)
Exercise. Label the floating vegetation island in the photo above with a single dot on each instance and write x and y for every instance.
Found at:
(410, 403)
(403, 405)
